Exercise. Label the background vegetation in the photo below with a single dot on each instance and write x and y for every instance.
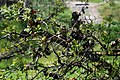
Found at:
(46, 42)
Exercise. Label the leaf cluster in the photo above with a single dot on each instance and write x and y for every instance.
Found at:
(43, 48)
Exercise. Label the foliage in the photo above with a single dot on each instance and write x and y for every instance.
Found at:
(110, 11)
(37, 47)
(95, 1)
(110, 14)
